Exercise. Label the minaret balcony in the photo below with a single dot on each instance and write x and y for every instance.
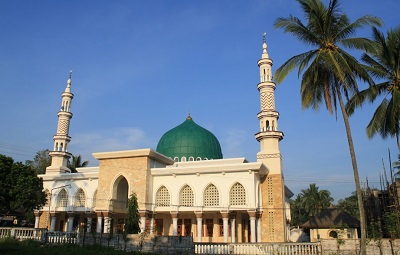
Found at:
(264, 61)
(266, 85)
(271, 113)
(269, 134)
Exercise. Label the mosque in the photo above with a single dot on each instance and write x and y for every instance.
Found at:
(184, 187)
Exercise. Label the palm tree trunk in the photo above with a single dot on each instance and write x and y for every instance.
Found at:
(363, 246)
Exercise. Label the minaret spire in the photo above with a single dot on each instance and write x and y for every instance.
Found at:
(273, 218)
(59, 154)
(269, 135)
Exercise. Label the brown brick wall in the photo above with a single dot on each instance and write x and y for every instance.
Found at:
(273, 215)
(136, 170)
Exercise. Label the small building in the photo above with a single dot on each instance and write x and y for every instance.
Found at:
(332, 223)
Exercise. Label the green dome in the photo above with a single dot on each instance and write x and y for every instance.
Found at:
(189, 140)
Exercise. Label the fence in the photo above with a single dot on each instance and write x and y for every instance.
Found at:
(258, 248)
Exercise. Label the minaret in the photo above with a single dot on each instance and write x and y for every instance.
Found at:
(272, 211)
(60, 154)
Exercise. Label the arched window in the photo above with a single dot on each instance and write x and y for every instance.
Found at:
(94, 199)
(163, 197)
(80, 199)
(186, 196)
(47, 193)
(191, 158)
(176, 159)
(211, 196)
(62, 199)
(183, 159)
(237, 195)
(198, 159)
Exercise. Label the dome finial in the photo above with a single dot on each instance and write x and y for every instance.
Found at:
(68, 88)
(188, 117)
(264, 46)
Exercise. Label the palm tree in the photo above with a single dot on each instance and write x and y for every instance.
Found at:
(314, 200)
(396, 165)
(75, 162)
(328, 71)
(383, 63)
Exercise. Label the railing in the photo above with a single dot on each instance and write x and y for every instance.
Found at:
(40, 235)
(22, 233)
(57, 237)
(258, 248)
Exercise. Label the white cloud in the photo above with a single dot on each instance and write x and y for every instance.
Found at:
(108, 140)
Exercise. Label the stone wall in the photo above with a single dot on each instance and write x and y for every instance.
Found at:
(352, 246)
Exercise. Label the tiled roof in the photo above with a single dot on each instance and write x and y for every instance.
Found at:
(332, 217)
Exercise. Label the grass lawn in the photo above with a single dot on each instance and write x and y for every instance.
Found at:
(10, 246)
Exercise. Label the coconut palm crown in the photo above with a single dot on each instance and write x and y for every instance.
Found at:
(383, 63)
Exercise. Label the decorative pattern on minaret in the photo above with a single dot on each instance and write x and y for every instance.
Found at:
(60, 154)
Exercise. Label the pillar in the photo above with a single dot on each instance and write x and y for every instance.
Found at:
(143, 218)
(99, 222)
(258, 222)
(174, 216)
(70, 222)
(37, 218)
(107, 224)
(53, 221)
(89, 224)
(233, 227)
(252, 215)
(199, 218)
(225, 219)
(151, 216)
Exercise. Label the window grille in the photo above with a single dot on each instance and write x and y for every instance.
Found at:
(80, 198)
(238, 195)
(186, 196)
(211, 196)
(163, 197)
(62, 198)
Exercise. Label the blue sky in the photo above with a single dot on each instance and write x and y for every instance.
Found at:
(139, 68)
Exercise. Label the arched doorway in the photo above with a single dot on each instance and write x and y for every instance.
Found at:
(120, 194)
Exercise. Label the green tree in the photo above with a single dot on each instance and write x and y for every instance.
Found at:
(299, 214)
(76, 162)
(21, 189)
(132, 222)
(328, 71)
(349, 205)
(314, 200)
(383, 63)
(41, 161)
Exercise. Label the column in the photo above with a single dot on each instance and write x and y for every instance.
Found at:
(99, 222)
(151, 216)
(233, 227)
(37, 218)
(143, 218)
(89, 224)
(106, 224)
(225, 225)
(53, 221)
(174, 216)
(70, 222)
(252, 215)
(199, 218)
(258, 222)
